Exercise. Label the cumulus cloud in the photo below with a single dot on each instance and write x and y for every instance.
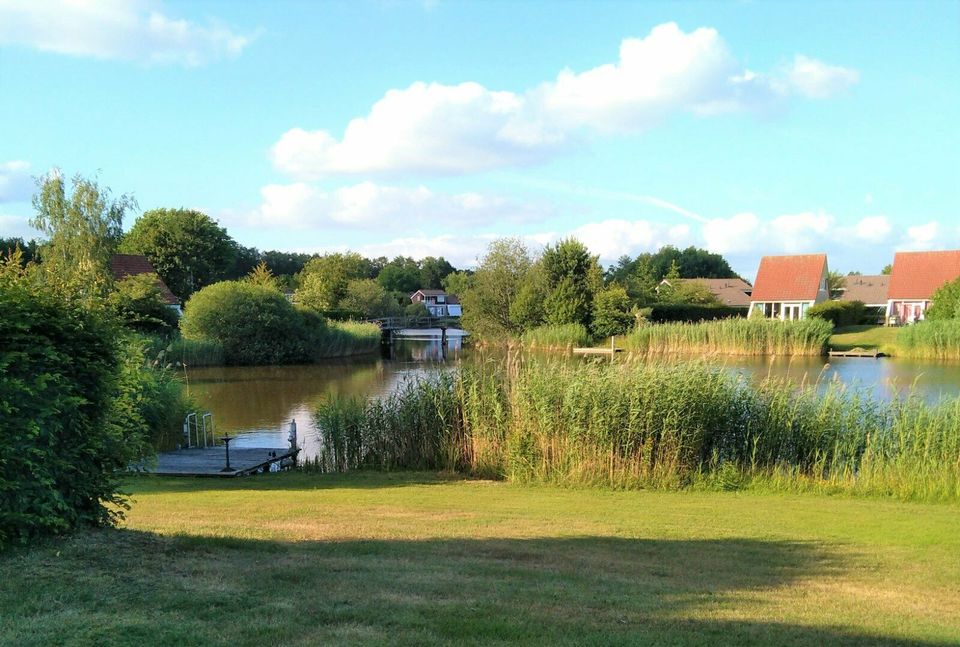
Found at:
(16, 185)
(611, 239)
(368, 205)
(453, 129)
(16, 227)
(133, 30)
(923, 237)
(817, 80)
(873, 229)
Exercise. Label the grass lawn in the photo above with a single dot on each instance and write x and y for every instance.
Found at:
(883, 338)
(421, 559)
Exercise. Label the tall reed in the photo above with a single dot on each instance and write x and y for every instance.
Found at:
(557, 336)
(930, 340)
(642, 425)
(731, 337)
(192, 352)
(344, 338)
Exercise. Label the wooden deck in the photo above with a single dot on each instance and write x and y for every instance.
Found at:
(596, 351)
(210, 461)
(856, 352)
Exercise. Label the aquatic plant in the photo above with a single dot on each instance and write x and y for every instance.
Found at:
(930, 339)
(753, 336)
(557, 336)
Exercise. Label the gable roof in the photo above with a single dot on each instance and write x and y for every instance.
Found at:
(123, 266)
(789, 278)
(730, 292)
(871, 290)
(917, 275)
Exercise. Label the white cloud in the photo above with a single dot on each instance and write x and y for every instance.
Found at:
(367, 205)
(135, 30)
(454, 129)
(16, 185)
(817, 80)
(923, 237)
(873, 229)
(16, 227)
(737, 234)
(614, 238)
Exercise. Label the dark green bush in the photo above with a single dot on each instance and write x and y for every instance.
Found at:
(692, 312)
(945, 303)
(254, 324)
(839, 313)
(59, 448)
(137, 301)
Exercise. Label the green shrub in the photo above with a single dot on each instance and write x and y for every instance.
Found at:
(945, 302)
(253, 324)
(137, 301)
(692, 312)
(59, 452)
(839, 313)
(557, 336)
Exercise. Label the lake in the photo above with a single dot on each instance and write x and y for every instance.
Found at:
(256, 403)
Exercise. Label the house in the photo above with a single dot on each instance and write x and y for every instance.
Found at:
(438, 302)
(734, 293)
(914, 279)
(871, 291)
(787, 286)
(126, 265)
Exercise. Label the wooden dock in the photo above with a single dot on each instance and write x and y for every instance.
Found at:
(210, 461)
(596, 351)
(856, 352)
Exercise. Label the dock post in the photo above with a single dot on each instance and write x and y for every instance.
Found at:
(292, 433)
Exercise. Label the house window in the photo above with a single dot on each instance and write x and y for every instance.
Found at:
(441, 299)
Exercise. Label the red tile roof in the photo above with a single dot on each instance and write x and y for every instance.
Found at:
(871, 290)
(126, 265)
(789, 278)
(917, 275)
(730, 292)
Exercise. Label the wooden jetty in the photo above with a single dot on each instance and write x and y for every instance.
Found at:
(856, 352)
(210, 461)
(596, 351)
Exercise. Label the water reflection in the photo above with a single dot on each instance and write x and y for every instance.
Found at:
(256, 403)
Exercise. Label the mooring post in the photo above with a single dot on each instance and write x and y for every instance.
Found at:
(292, 433)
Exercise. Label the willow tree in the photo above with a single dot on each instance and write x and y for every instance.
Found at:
(83, 227)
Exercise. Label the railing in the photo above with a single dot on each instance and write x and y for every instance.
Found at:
(393, 323)
(197, 427)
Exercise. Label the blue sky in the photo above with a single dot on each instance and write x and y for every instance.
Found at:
(432, 127)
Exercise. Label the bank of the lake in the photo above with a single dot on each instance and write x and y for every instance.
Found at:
(418, 558)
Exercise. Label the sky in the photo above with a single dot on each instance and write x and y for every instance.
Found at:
(432, 128)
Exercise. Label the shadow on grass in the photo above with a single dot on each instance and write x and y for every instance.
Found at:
(129, 587)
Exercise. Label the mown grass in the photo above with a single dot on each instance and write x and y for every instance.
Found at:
(882, 338)
(417, 559)
(754, 336)
(555, 337)
(930, 340)
(650, 425)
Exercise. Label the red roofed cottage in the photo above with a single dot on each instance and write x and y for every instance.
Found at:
(914, 279)
(787, 286)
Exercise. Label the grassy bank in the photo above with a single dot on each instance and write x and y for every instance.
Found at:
(731, 337)
(345, 338)
(416, 559)
(644, 425)
(882, 338)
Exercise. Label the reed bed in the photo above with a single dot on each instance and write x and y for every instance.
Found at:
(192, 352)
(558, 336)
(930, 340)
(344, 338)
(731, 337)
(642, 425)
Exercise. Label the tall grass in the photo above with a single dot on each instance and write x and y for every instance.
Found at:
(192, 352)
(930, 340)
(731, 337)
(642, 425)
(344, 338)
(557, 336)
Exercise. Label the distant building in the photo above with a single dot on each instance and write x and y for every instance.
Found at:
(126, 265)
(787, 286)
(914, 279)
(869, 290)
(734, 293)
(438, 302)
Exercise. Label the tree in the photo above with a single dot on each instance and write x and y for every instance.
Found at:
(285, 263)
(887, 269)
(261, 275)
(188, 249)
(457, 282)
(835, 284)
(244, 260)
(367, 298)
(572, 276)
(323, 281)
(611, 312)
(433, 271)
(138, 302)
(82, 230)
(945, 302)
(494, 287)
(402, 274)
(28, 249)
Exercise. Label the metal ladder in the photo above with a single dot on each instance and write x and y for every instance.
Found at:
(194, 427)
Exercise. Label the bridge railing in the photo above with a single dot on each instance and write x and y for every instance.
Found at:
(394, 323)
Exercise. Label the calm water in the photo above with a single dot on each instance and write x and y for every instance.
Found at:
(256, 403)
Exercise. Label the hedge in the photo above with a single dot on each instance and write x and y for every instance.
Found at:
(691, 312)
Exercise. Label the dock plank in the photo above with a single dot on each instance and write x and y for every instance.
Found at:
(210, 461)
